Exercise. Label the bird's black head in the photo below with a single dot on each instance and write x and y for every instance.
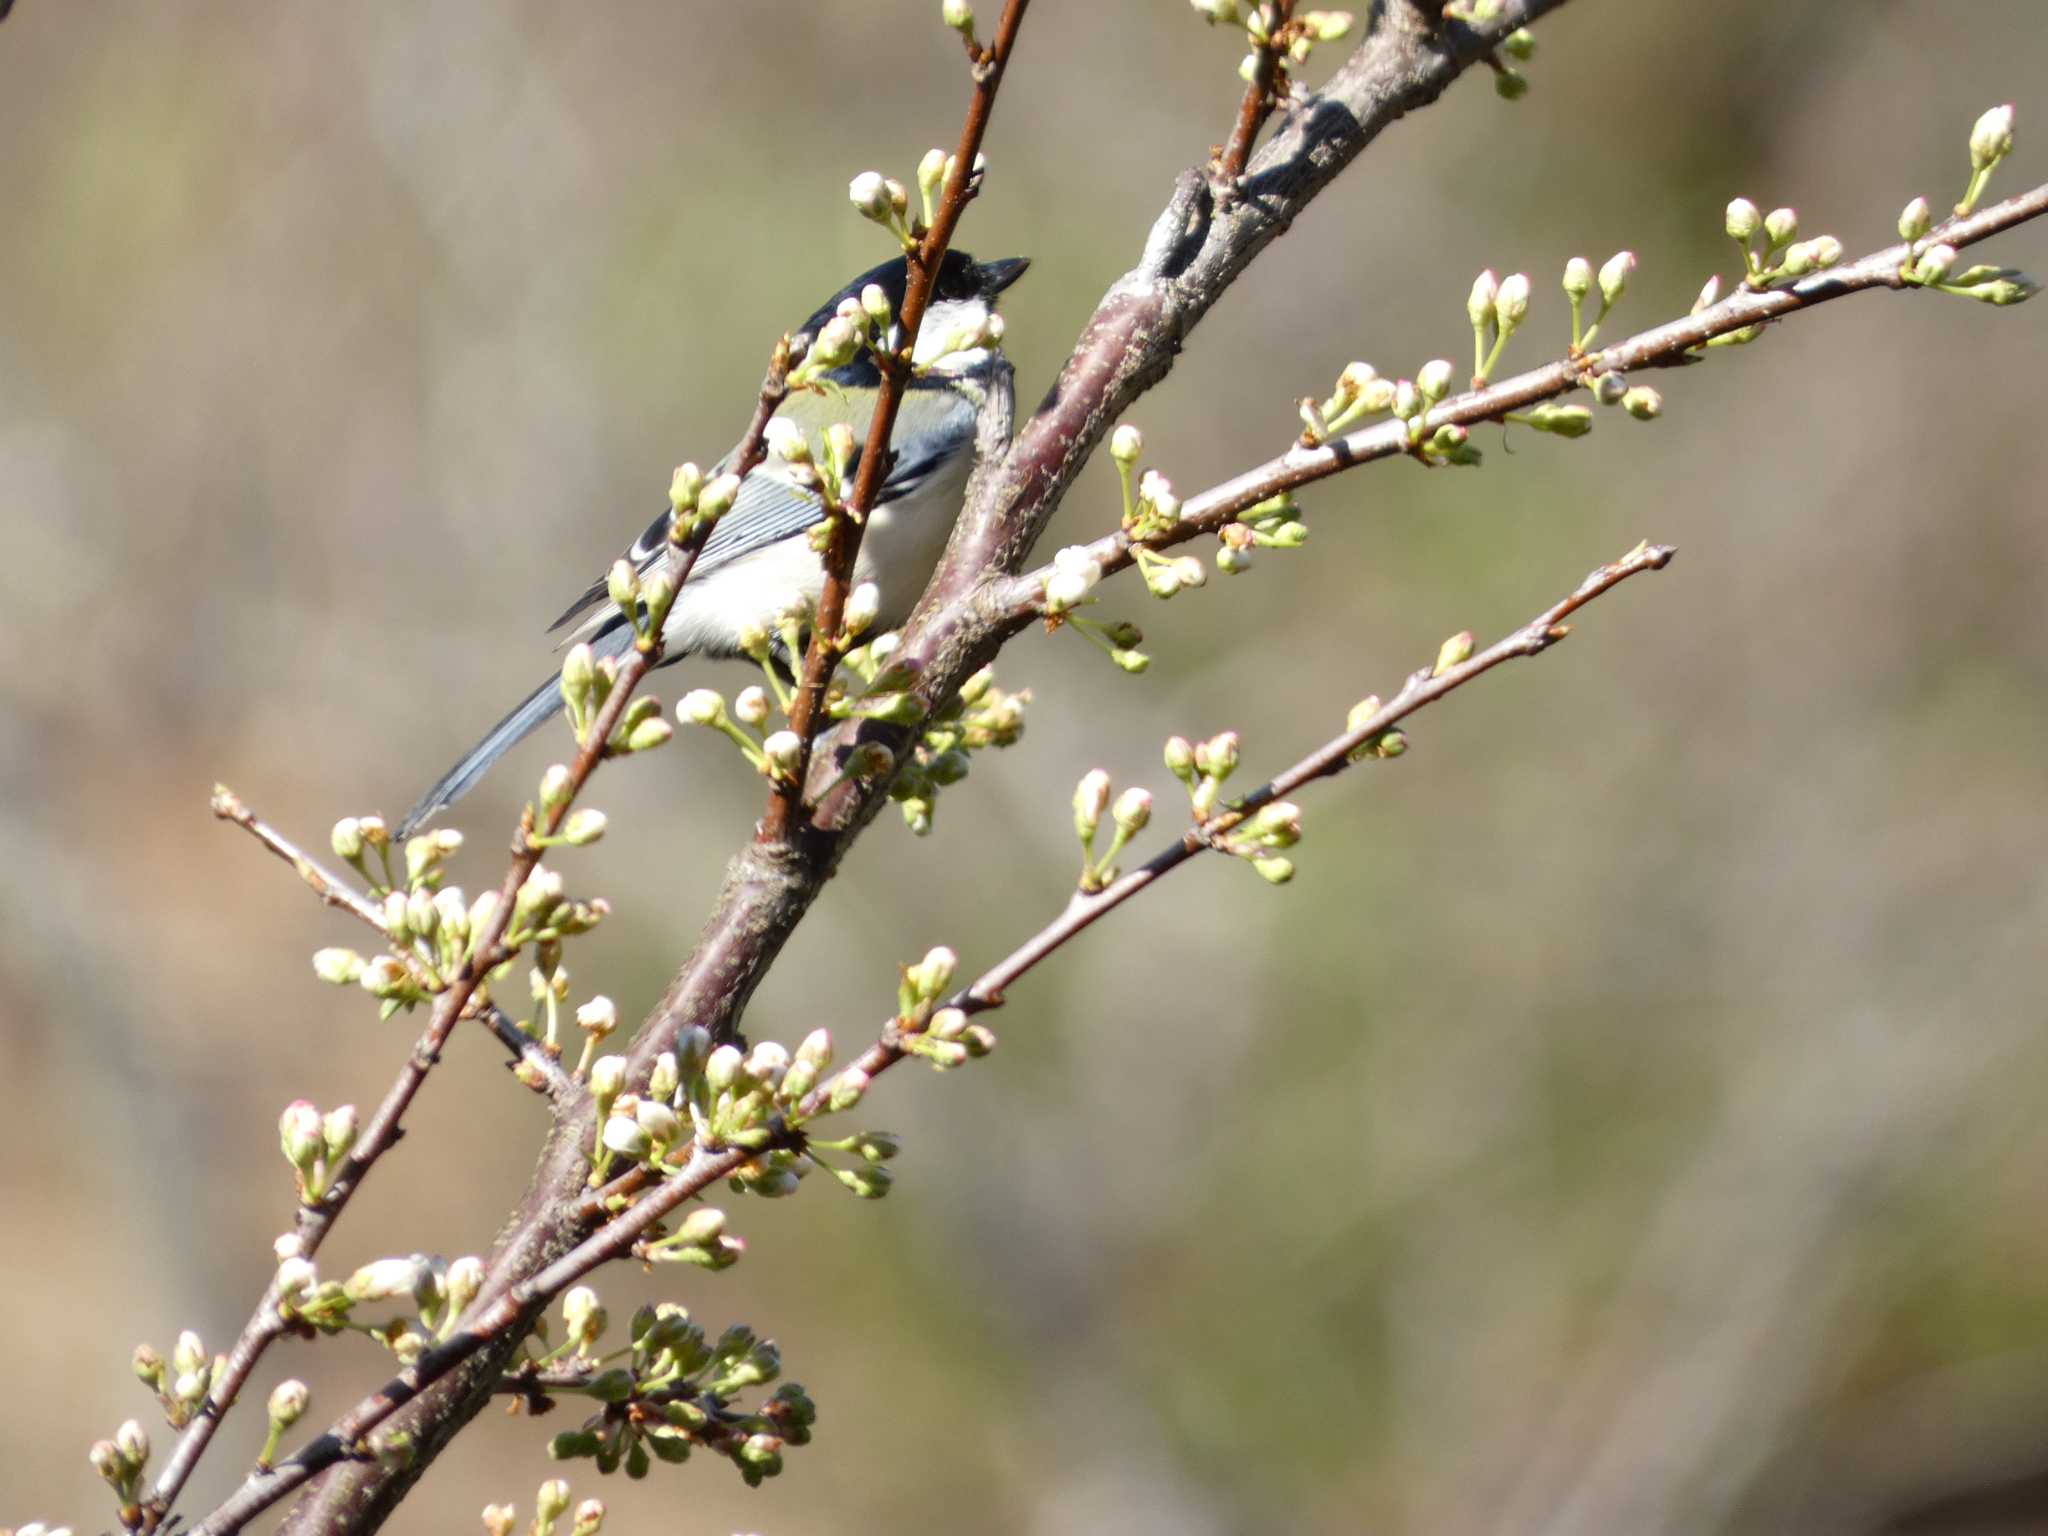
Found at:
(962, 281)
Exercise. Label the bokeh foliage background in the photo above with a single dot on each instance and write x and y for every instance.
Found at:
(1630, 1119)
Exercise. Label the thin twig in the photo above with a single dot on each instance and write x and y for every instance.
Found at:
(1259, 96)
(336, 892)
(1423, 688)
(1021, 598)
(807, 712)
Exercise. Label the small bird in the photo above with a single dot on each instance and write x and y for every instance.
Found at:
(758, 561)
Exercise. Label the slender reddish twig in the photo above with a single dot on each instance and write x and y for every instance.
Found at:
(806, 714)
(1259, 96)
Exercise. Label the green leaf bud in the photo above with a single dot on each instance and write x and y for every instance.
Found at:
(1643, 403)
(1561, 420)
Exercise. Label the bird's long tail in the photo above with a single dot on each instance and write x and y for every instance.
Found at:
(539, 707)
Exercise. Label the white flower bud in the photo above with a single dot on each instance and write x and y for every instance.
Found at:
(626, 1138)
(958, 15)
(717, 498)
(1743, 220)
(1485, 289)
(1935, 264)
(1915, 219)
(869, 194)
(685, 486)
(1091, 799)
(1133, 810)
(782, 749)
(658, 1121)
(1991, 138)
(1512, 303)
(1578, 278)
(863, 607)
(1125, 444)
(583, 827)
(701, 706)
(1614, 275)
(1781, 226)
(288, 1401)
(607, 1077)
(1433, 380)
(599, 1016)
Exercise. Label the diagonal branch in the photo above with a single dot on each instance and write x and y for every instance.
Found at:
(1021, 598)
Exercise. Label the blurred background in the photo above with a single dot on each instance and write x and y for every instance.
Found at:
(1632, 1119)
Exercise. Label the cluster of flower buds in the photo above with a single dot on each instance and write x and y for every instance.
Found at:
(885, 201)
(671, 1391)
(1387, 743)
(1509, 82)
(1290, 39)
(316, 1145)
(550, 1502)
(644, 595)
(944, 1036)
(433, 1292)
(431, 928)
(184, 1382)
(1579, 281)
(1128, 814)
(772, 753)
(120, 1461)
(695, 506)
(715, 1098)
(357, 838)
(1274, 523)
(861, 321)
(1496, 307)
(1259, 838)
(981, 716)
(1360, 393)
(1935, 266)
(1203, 767)
(1936, 269)
(1150, 510)
(1771, 248)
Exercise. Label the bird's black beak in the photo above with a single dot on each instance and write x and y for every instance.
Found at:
(998, 275)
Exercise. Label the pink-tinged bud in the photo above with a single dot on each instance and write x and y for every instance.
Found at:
(299, 1132)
